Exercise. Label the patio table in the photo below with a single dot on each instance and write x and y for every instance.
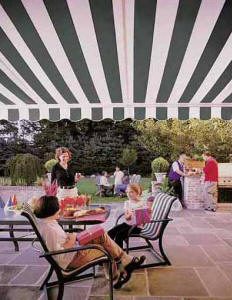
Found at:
(12, 222)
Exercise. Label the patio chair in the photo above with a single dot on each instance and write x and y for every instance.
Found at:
(154, 230)
(67, 275)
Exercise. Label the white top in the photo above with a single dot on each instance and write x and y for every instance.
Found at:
(104, 181)
(131, 206)
(54, 237)
(118, 175)
(175, 166)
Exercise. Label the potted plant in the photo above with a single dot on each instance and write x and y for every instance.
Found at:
(48, 166)
(159, 168)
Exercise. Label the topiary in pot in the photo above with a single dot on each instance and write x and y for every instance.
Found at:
(50, 164)
(159, 168)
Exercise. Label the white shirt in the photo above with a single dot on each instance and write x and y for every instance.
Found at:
(54, 237)
(104, 181)
(118, 175)
(175, 166)
(131, 206)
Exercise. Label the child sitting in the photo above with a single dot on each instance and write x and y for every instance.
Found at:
(119, 233)
(47, 210)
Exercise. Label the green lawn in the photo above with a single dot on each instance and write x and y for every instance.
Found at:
(88, 186)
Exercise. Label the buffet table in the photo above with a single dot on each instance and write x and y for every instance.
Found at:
(193, 192)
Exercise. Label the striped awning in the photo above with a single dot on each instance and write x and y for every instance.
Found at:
(115, 59)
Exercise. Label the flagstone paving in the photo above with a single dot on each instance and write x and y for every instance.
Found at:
(198, 243)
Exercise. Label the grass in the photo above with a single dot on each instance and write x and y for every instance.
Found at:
(88, 186)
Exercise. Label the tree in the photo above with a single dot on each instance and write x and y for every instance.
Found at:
(170, 137)
(129, 156)
(24, 169)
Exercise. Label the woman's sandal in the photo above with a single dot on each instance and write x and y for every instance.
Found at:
(125, 276)
(122, 279)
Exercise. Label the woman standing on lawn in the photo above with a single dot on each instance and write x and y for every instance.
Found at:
(63, 174)
(119, 233)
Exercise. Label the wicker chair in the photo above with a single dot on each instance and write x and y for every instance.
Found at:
(67, 275)
(154, 230)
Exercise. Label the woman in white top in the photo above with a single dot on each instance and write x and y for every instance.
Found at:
(47, 210)
(119, 233)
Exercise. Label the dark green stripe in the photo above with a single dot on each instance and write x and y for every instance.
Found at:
(66, 32)
(54, 114)
(161, 113)
(226, 113)
(97, 113)
(118, 113)
(34, 114)
(102, 14)
(5, 100)
(140, 113)
(24, 25)
(205, 113)
(75, 114)
(13, 56)
(216, 42)
(222, 81)
(185, 19)
(13, 115)
(11, 86)
(144, 20)
(183, 113)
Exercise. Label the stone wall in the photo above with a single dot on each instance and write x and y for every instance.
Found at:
(23, 193)
(193, 192)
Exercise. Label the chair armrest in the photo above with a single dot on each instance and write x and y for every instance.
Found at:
(75, 249)
(152, 221)
(119, 217)
(161, 220)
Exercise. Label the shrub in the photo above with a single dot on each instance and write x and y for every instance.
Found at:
(159, 165)
(50, 164)
(24, 169)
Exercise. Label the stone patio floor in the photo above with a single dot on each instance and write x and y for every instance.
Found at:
(198, 243)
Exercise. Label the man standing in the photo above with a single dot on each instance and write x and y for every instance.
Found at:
(175, 176)
(210, 182)
(118, 175)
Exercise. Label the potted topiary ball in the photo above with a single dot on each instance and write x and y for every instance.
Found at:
(159, 168)
(48, 166)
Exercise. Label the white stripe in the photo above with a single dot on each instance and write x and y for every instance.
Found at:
(28, 57)
(47, 33)
(164, 23)
(129, 33)
(23, 113)
(150, 112)
(12, 97)
(83, 23)
(215, 112)
(194, 112)
(223, 94)
(108, 112)
(203, 27)
(217, 69)
(4, 112)
(172, 112)
(11, 72)
(118, 8)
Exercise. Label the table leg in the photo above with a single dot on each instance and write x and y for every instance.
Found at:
(11, 231)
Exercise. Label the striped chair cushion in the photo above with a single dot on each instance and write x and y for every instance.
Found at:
(160, 210)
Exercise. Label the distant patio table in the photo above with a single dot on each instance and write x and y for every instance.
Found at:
(13, 222)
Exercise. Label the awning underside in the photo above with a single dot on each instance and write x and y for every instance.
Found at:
(115, 59)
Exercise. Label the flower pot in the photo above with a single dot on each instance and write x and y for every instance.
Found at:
(160, 177)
